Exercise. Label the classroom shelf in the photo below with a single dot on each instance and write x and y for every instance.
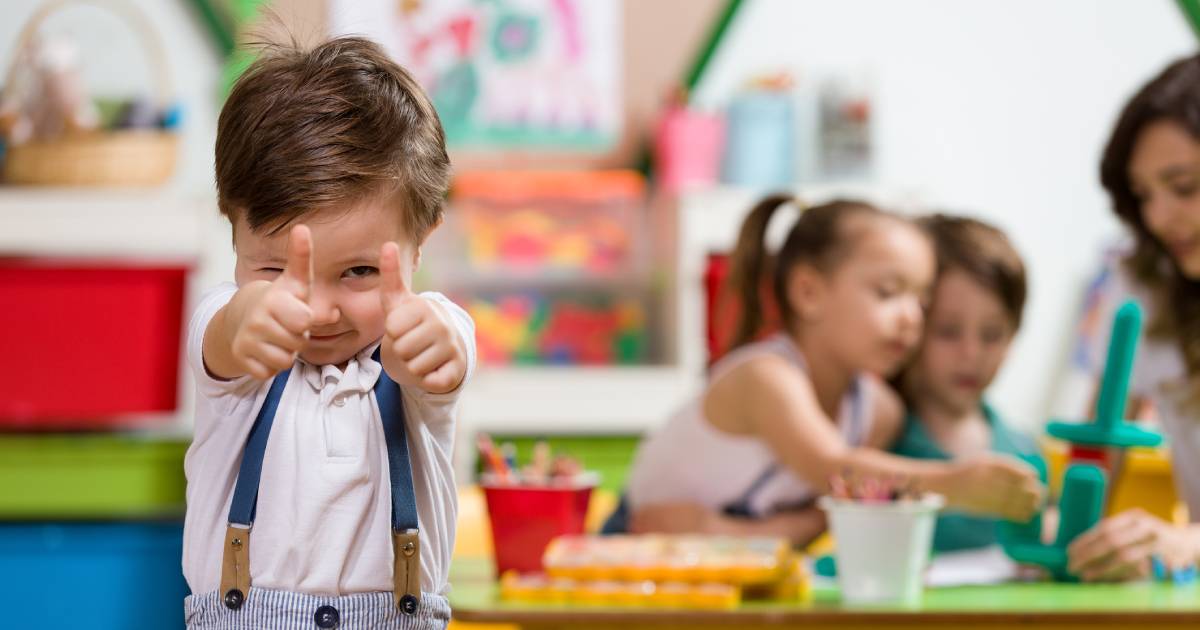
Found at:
(101, 223)
(574, 400)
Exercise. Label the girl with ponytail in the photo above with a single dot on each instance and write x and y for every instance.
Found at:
(784, 413)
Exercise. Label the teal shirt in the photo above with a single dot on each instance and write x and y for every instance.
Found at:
(955, 530)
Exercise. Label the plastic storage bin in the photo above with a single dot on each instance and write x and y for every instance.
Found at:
(560, 223)
(87, 343)
(556, 268)
(52, 477)
(101, 576)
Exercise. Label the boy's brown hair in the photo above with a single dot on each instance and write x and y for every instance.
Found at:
(307, 130)
(984, 253)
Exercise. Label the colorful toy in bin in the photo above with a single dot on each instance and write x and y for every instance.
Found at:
(531, 327)
(539, 221)
(1085, 483)
(530, 507)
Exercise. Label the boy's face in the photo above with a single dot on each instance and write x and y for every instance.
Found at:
(347, 309)
(966, 339)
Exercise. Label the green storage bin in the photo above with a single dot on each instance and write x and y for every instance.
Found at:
(105, 476)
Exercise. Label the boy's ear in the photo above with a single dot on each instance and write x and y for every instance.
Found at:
(416, 261)
(806, 292)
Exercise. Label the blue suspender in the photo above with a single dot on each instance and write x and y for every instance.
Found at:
(404, 506)
(245, 493)
(391, 410)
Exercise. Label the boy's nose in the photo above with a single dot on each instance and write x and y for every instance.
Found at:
(324, 307)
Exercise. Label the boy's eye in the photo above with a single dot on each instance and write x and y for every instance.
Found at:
(361, 271)
(271, 270)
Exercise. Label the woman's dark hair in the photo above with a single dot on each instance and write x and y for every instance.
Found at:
(818, 238)
(1172, 96)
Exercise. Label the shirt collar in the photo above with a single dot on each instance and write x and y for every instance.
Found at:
(360, 375)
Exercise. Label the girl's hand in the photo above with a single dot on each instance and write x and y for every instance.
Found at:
(420, 346)
(273, 319)
(1119, 548)
(994, 485)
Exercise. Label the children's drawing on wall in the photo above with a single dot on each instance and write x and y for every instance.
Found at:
(505, 73)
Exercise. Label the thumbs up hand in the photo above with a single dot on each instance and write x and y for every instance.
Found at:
(420, 346)
(273, 329)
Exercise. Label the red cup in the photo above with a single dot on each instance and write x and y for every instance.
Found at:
(526, 518)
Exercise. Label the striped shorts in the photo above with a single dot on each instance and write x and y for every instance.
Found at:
(280, 610)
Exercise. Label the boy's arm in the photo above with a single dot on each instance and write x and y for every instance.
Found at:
(218, 354)
(265, 324)
(421, 345)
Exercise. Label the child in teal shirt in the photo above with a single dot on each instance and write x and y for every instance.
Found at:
(975, 313)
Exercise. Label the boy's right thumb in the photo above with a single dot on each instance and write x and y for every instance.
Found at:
(299, 271)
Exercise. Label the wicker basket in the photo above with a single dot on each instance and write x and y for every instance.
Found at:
(134, 157)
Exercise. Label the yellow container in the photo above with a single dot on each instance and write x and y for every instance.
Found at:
(1145, 481)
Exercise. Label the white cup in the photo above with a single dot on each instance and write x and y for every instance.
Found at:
(882, 547)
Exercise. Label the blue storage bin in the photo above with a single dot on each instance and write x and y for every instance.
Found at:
(92, 575)
(760, 141)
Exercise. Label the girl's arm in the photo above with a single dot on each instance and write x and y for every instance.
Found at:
(800, 527)
(772, 399)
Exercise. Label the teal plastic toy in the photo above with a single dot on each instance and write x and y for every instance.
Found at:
(1085, 485)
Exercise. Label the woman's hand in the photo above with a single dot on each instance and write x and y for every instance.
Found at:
(1119, 548)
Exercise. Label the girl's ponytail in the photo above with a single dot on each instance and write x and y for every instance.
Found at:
(751, 265)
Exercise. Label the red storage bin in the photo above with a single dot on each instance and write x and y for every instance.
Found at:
(87, 343)
(526, 518)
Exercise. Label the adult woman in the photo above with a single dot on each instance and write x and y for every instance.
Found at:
(1151, 170)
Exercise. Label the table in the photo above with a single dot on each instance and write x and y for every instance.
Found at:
(474, 598)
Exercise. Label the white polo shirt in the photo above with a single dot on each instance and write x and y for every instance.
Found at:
(323, 523)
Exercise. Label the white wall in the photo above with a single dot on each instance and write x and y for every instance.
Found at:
(998, 109)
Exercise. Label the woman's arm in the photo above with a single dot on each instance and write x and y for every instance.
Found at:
(770, 398)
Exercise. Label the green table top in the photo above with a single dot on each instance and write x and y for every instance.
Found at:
(474, 596)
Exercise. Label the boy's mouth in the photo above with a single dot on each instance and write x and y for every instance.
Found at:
(325, 337)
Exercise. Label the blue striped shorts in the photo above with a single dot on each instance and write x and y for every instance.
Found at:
(281, 610)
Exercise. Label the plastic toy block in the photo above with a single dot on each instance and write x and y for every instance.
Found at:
(1108, 429)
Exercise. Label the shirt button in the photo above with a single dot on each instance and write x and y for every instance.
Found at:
(339, 400)
(327, 617)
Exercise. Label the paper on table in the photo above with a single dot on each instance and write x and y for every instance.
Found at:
(989, 565)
